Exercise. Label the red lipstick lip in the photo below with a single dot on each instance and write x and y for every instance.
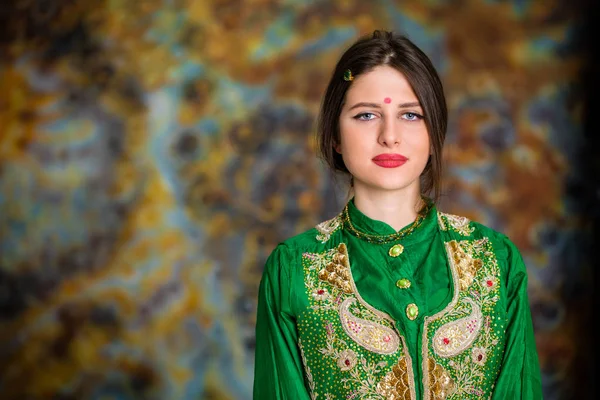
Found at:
(390, 157)
(389, 160)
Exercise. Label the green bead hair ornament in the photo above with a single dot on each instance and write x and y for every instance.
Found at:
(348, 75)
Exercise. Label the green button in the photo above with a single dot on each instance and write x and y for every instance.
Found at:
(396, 250)
(403, 283)
(412, 311)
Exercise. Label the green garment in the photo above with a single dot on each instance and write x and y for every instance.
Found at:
(343, 316)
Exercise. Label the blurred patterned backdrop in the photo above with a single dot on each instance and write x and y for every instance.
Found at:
(153, 153)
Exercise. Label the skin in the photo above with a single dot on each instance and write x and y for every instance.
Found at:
(381, 114)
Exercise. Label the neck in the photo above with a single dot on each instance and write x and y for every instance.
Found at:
(395, 208)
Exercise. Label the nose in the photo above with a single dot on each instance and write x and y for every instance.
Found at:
(389, 134)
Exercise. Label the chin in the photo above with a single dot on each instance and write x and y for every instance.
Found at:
(387, 185)
(382, 179)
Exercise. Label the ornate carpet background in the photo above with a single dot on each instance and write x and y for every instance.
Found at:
(153, 153)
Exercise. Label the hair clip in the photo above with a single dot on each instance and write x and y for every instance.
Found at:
(348, 75)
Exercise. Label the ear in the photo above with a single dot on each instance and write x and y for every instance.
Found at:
(337, 148)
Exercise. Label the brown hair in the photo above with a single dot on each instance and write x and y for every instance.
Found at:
(396, 51)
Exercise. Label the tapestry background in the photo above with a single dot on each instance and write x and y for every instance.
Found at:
(153, 153)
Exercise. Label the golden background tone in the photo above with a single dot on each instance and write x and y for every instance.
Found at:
(154, 152)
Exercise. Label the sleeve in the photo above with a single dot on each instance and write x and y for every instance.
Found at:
(278, 371)
(520, 376)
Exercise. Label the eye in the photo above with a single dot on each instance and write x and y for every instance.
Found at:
(411, 116)
(367, 116)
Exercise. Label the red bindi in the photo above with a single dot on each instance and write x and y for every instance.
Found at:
(387, 100)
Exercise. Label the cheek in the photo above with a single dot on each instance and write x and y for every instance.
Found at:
(346, 137)
(420, 141)
(353, 131)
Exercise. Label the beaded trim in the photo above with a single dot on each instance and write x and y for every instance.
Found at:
(379, 239)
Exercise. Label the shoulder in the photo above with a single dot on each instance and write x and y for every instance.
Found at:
(462, 228)
(284, 263)
(302, 240)
(313, 240)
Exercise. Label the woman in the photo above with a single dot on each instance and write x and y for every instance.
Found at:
(392, 299)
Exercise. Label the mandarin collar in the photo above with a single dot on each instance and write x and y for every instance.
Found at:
(375, 227)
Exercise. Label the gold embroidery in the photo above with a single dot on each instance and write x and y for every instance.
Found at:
(466, 265)
(345, 367)
(395, 384)
(455, 337)
(359, 373)
(440, 380)
(367, 333)
(370, 335)
(336, 272)
(362, 379)
(326, 228)
(474, 338)
(346, 360)
(460, 224)
(479, 355)
(309, 377)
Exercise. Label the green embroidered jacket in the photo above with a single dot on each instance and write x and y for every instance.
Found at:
(441, 313)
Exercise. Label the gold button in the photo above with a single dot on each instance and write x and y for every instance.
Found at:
(403, 283)
(412, 311)
(396, 250)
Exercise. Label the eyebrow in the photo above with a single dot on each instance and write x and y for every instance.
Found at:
(375, 105)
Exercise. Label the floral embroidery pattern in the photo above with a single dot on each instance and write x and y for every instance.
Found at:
(353, 346)
(369, 330)
(326, 228)
(333, 343)
(489, 283)
(459, 224)
(464, 337)
(361, 379)
(461, 347)
(320, 294)
(478, 355)
(346, 360)
(370, 335)
(458, 335)
(470, 378)
(364, 379)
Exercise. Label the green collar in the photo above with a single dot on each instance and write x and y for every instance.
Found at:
(375, 231)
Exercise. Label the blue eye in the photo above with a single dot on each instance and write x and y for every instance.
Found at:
(411, 116)
(365, 116)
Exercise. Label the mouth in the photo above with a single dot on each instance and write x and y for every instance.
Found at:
(389, 160)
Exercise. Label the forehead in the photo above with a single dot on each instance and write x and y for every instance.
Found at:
(379, 83)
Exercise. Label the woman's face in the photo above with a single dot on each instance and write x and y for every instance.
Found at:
(383, 137)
